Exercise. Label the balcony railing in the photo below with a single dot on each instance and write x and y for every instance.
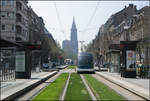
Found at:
(21, 35)
(23, 12)
(8, 18)
(19, 19)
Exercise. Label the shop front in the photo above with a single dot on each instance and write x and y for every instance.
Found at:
(142, 59)
(129, 58)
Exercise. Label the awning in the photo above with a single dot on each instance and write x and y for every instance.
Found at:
(113, 51)
(31, 46)
(5, 43)
(116, 46)
(129, 45)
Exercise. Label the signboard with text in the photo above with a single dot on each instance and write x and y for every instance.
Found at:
(20, 61)
(130, 58)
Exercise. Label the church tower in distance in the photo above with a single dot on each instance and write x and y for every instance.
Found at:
(74, 38)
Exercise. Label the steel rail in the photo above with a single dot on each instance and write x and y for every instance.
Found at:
(35, 91)
(62, 97)
(126, 93)
(88, 88)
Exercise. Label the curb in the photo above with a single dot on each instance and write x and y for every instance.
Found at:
(135, 91)
(28, 88)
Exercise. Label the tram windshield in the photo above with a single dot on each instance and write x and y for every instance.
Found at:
(85, 60)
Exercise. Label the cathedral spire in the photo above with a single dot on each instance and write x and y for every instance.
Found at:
(74, 38)
(73, 24)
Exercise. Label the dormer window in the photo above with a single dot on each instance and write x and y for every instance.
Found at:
(125, 15)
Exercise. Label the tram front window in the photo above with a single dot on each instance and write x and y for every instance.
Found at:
(85, 62)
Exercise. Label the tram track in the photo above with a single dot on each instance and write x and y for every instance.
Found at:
(88, 88)
(65, 89)
(35, 91)
(91, 94)
(129, 95)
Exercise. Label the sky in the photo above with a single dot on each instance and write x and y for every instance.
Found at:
(89, 16)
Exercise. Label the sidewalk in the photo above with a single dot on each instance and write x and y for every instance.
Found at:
(16, 87)
(138, 86)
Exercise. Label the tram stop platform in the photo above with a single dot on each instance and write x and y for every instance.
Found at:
(14, 88)
(136, 85)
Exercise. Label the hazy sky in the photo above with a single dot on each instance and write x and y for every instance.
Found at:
(58, 16)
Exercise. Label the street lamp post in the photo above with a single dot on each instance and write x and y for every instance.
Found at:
(149, 42)
(82, 45)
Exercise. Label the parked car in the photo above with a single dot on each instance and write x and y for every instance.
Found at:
(45, 65)
(54, 65)
(104, 67)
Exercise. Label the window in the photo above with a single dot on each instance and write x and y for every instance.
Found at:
(3, 2)
(10, 2)
(13, 28)
(3, 27)
(19, 6)
(8, 14)
(3, 14)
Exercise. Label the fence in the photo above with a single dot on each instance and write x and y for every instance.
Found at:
(143, 71)
(7, 64)
(7, 74)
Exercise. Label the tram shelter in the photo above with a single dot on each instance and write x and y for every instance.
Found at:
(123, 58)
(23, 56)
(7, 59)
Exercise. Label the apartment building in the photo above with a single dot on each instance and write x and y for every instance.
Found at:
(14, 20)
(22, 31)
(132, 28)
(8, 19)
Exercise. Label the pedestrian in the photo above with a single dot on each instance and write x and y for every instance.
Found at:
(121, 68)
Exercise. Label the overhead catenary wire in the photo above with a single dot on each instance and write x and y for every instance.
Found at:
(90, 20)
(59, 20)
(88, 24)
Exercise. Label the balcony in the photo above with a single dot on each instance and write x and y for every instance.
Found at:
(20, 34)
(21, 21)
(8, 20)
(7, 8)
(20, 9)
(18, 18)
(8, 35)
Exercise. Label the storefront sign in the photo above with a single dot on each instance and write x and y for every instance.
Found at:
(130, 58)
(116, 46)
(20, 61)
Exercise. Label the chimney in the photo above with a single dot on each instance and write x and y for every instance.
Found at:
(125, 7)
(135, 6)
(131, 5)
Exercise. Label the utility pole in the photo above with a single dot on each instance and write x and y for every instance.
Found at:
(149, 41)
(82, 45)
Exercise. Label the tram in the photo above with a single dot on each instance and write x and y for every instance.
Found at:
(85, 63)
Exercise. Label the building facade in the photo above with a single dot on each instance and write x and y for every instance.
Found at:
(22, 26)
(14, 20)
(130, 26)
(8, 20)
(66, 46)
